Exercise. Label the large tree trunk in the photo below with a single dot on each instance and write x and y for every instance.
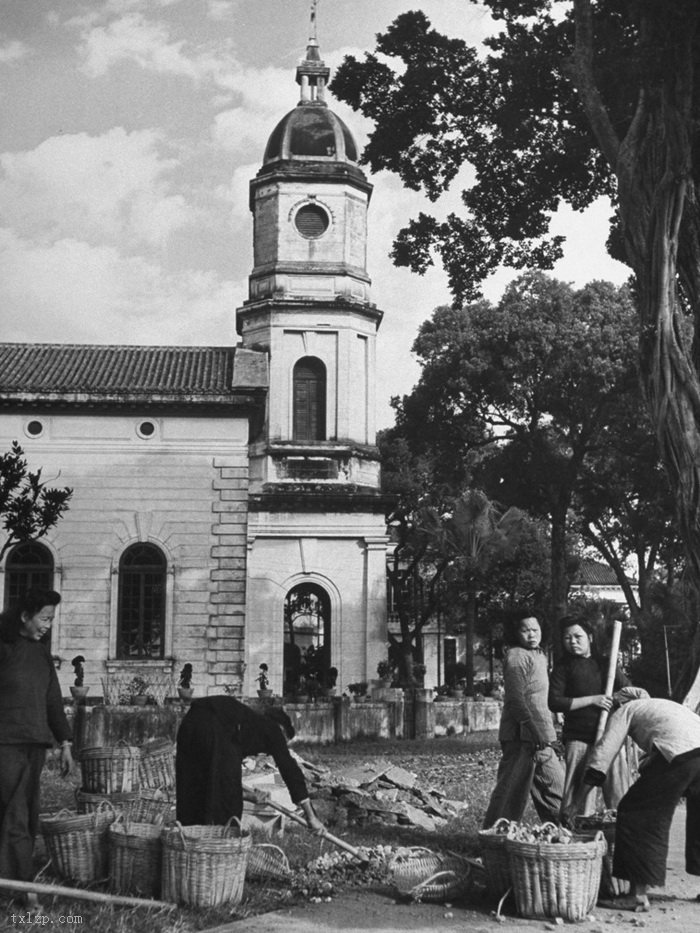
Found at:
(658, 208)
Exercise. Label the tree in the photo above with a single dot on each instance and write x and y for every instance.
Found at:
(517, 397)
(29, 508)
(601, 98)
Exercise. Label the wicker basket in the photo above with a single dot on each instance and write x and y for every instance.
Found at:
(77, 843)
(267, 863)
(204, 866)
(495, 858)
(424, 875)
(157, 765)
(151, 806)
(88, 803)
(110, 769)
(553, 879)
(610, 886)
(135, 858)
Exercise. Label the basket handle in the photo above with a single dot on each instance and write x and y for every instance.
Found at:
(416, 891)
(268, 845)
(101, 808)
(503, 821)
(233, 819)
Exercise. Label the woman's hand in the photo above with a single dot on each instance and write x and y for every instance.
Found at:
(312, 821)
(602, 701)
(66, 761)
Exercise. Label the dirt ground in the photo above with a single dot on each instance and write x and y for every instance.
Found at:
(674, 910)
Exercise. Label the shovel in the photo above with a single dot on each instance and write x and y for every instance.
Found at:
(340, 843)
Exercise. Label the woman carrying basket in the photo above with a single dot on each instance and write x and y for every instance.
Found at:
(31, 717)
(215, 736)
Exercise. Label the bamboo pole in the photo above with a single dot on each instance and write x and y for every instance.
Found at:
(56, 890)
(612, 669)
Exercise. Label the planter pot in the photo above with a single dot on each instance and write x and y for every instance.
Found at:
(79, 693)
(185, 693)
(264, 694)
(139, 700)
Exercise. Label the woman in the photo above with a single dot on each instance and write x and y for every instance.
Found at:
(31, 717)
(577, 689)
(215, 736)
(529, 766)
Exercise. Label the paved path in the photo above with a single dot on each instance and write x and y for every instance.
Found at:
(673, 911)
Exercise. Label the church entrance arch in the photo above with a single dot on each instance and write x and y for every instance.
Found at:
(307, 640)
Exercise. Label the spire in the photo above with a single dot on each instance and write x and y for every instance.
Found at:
(312, 74)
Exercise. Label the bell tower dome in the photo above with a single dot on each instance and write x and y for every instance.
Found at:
(309, 300)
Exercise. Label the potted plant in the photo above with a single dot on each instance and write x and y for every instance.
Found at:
(263, 682)
(385, 671)
(358, 690)
(138, 689)
(184, 688)
(78, 689)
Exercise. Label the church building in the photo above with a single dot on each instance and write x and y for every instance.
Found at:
(226, 508)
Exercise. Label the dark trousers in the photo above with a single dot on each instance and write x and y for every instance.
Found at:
(20, 774)
(207, 772)
(525, 772)
(644, 818)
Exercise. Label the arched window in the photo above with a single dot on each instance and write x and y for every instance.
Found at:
(307, 638)
(28, 566)
(309, 400)
(141, 609)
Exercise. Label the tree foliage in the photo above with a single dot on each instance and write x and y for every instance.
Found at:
(573, 99)
(29, 508)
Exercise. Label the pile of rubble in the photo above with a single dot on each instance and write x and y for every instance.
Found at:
(377, 792)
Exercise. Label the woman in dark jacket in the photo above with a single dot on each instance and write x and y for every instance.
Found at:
(215, 736)
(31, 717)
(577, 689)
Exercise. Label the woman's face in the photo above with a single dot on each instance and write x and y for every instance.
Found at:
(36, 626)
(576, 641)
(529, 633)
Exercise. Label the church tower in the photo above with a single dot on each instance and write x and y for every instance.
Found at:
(316, 530)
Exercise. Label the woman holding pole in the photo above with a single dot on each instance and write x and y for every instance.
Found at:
(581, 687)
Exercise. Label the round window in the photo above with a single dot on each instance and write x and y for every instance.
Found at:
(146, 429)
(34, 428)
(311, 221)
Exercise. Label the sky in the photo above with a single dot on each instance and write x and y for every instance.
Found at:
(130, 131)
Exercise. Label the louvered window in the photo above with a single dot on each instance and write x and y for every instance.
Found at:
(141, 612)
(309, 400)
(311, 221)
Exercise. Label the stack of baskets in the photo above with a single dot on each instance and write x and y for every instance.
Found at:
(204, 866)
(157, 764)
(424, 875)
(610, 886)
(553, 879)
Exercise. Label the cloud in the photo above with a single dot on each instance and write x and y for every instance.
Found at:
(70, 291)
(114, 188)
(14, 51)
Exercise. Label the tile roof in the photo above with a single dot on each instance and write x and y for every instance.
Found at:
(594, 573)
(98, 373)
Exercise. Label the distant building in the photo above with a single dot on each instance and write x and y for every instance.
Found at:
(596, 580)
(226, 509)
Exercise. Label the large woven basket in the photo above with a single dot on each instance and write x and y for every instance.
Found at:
(424, 875)
(492, 843)
(111, 769)
(77, 843)
(204, 866)
(157, 764)
(552, 879)
(610, 886)
(135, 858)
(88, 803)
(152, 806)
(267, 863)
